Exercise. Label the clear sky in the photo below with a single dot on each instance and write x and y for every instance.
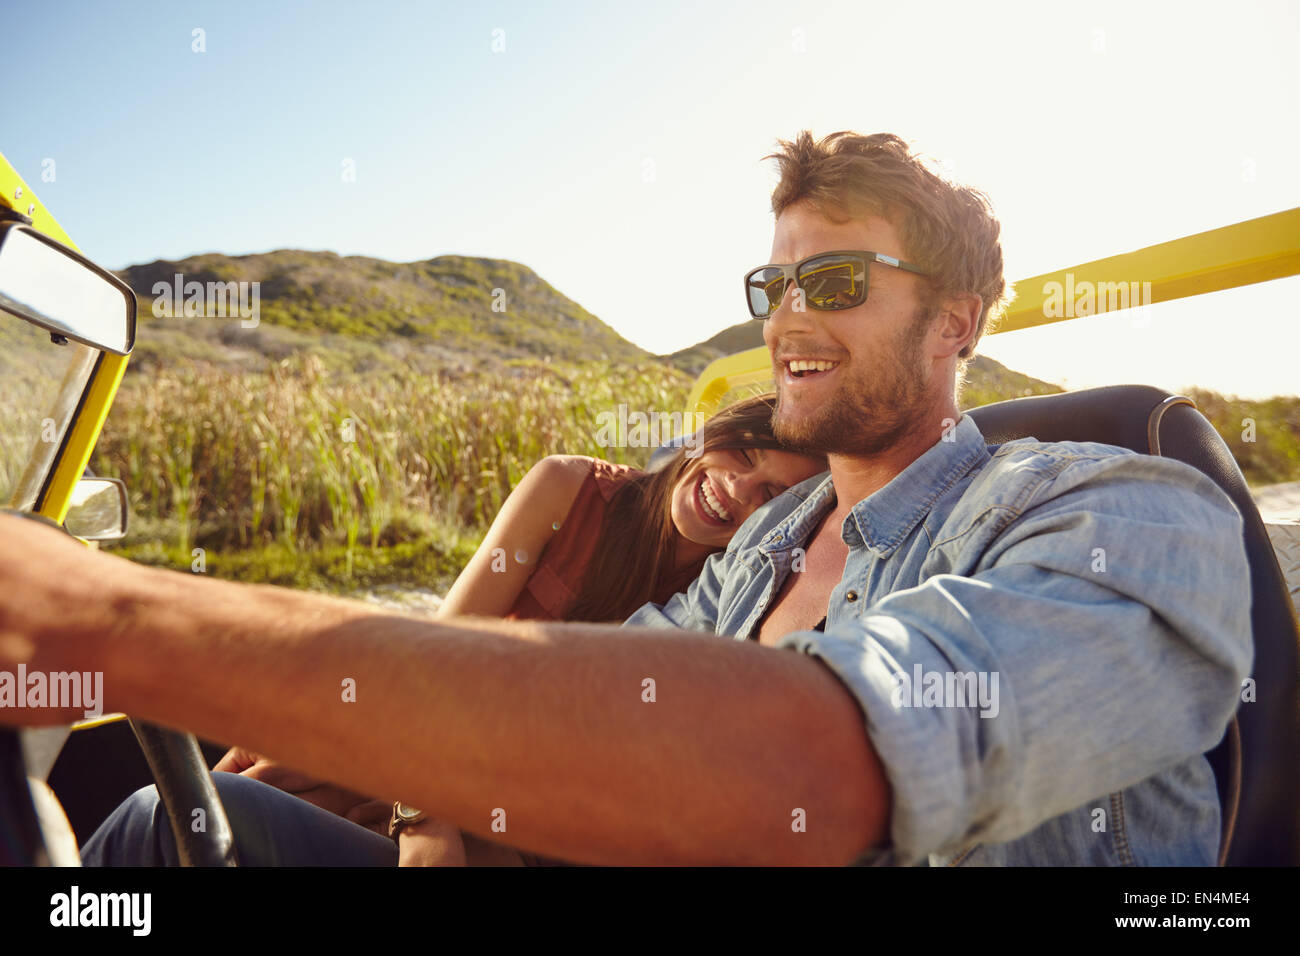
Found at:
(615, 148)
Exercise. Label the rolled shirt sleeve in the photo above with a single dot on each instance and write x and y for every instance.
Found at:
(1109, 618)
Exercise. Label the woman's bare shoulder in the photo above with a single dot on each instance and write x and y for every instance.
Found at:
(557, 479)
(573, 468)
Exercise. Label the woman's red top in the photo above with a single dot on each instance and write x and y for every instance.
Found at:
(552, 590)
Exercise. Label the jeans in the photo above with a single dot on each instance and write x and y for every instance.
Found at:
(271, 828)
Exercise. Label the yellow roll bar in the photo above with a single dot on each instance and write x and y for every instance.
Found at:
(1256, 250)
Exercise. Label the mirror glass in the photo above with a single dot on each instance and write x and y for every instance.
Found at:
(55, 289)
(40, 386)
(97, 510)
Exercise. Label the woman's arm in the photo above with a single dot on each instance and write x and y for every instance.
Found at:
(521, 531)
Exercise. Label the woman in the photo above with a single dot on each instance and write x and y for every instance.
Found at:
(580, 539)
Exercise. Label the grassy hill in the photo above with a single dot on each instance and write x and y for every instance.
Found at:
(735, 338)
(364, 310)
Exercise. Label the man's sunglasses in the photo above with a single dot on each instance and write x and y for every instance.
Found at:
(830, 281)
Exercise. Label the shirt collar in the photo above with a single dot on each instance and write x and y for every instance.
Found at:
(818, 494)
(882, 520)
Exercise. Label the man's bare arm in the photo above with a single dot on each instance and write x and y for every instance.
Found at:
(467, 718)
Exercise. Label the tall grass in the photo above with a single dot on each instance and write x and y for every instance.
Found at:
(305, 460)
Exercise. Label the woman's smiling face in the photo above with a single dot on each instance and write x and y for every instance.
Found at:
(723, 487)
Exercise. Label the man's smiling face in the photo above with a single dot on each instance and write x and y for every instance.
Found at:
(872, 380)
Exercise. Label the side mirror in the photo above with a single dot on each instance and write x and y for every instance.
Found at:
(98, 509)
(48, 284)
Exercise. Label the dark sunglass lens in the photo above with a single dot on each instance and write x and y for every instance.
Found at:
(765, 288)
(834, 282)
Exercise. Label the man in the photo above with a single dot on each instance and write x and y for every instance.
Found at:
(1014, 655)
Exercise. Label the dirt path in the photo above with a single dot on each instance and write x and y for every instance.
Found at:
(1278, 503)
(395, 597)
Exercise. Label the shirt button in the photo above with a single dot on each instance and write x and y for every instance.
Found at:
(851, 596)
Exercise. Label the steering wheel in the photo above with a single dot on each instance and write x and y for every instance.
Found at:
(198, 820)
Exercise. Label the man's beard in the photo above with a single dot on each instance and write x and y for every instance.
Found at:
(869, 413)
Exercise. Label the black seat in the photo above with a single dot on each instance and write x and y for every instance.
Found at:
(1257, 764)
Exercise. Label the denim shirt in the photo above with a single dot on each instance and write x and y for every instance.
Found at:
(1043, 638)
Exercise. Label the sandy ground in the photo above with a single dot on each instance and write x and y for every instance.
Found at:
(1279, 506)
(1278, 503)
(398, 598)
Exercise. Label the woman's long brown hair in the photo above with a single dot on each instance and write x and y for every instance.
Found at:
(636, 553)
